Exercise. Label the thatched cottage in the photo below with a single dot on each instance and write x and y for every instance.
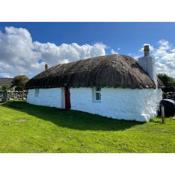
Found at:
(115, 86)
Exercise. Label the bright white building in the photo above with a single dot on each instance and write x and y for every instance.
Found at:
(114, 86)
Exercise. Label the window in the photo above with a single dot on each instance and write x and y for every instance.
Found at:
(36, 92)
(97, 94)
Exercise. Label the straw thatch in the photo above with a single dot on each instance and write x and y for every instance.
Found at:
(103, 71)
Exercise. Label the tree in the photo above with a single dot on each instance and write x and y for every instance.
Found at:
(167, 80)
(19, 82)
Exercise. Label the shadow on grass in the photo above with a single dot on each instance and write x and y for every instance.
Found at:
(72, 119)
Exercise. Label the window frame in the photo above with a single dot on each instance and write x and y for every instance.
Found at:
(36, 92)
(97, 90)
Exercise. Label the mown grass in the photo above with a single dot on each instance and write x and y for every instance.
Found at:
(29, 128)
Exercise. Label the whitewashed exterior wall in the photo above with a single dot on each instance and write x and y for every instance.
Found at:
(128, 104)
(52, 97)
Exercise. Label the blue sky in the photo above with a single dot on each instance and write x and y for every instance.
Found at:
(125, 38)
(129, 37)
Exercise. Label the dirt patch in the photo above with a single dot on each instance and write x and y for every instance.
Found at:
(21, 120)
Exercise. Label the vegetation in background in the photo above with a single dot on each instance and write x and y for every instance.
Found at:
(19, 82)
(4, 88)
(29, 128)
(167, 80)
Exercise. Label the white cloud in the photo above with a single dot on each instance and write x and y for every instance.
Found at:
(165, 58)
(20, 55)
(114, 52)
(54, 54)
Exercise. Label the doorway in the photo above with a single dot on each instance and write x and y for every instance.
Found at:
(67, 98)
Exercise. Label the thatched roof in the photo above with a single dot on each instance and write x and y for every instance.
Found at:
(6, 82)
(103, 71)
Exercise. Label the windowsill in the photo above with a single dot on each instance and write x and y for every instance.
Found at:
(96, 101)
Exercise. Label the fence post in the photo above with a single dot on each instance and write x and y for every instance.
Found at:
(162, 113)
(5, 97)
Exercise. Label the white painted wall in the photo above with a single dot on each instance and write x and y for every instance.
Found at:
(128, 104)
(52, 97)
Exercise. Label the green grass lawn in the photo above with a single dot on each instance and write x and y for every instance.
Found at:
(29, 128)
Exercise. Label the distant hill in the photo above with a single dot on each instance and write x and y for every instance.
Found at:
(5, 82)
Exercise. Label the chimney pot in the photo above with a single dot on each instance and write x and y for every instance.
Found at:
(146, 50)
(46, 66)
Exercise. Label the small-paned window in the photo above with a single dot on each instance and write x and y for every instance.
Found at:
(97, 94)
(36, 92)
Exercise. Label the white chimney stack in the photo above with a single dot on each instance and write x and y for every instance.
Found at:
(147, 62)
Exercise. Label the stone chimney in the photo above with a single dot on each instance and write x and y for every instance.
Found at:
(46, 67)
(147, 62)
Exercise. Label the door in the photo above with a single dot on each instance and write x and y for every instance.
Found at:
(67, 98)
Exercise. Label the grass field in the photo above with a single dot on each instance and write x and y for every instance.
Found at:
(29, 128)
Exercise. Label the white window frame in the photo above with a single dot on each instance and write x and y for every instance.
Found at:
(36, 92)
(96, 90)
